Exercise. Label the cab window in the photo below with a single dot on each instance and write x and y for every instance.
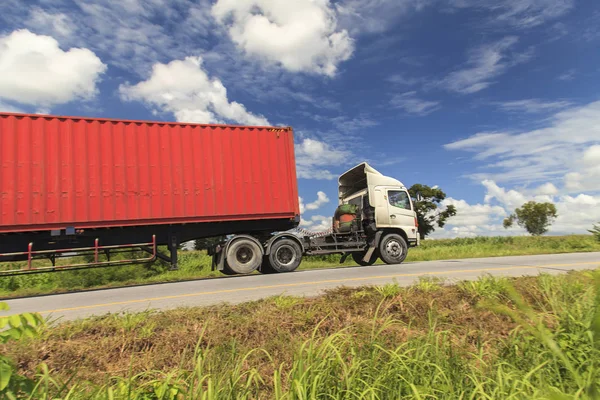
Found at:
(399, 198)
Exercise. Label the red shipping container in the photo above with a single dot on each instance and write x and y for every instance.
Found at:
(59, 172)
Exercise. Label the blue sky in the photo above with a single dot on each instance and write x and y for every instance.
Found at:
(495, 101)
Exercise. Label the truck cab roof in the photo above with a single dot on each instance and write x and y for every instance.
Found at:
(362, 177)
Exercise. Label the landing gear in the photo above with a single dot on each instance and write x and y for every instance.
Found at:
(393, 249)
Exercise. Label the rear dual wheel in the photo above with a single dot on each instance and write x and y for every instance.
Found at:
(244, 256)
(285, 256)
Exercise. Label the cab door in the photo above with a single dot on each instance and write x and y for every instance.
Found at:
(400, 209)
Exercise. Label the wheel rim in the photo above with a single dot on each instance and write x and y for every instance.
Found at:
(394, 249)
(285, 255)
(244, 255)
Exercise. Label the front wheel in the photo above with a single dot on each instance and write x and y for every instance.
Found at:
(393, 249)
(285, 256)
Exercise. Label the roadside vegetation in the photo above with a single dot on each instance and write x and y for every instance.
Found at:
(196, 264)
(495, 338)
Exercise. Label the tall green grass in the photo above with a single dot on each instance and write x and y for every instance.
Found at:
(553, 353)
(195, 264)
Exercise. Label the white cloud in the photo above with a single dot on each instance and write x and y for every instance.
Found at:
(476, 214)
(301, 35)
(520, 13)
(183, 88)
(576, 214)
(533, 105)
(34, 70)
(567, 76)
(565, 150)
(58, 24)
(313, 155)
(413, 105)
(5, 107)
(317, 223)
(485, 63)
(322, 199)
(375, 16)
(546, 189)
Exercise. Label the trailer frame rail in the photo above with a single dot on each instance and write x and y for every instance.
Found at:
(95, 251)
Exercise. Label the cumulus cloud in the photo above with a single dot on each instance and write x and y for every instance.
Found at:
(576, 214)
(565, 150)
(183, 88)
(34, 70)
(317, 223)
(322, 199)
(312, 156)
(485, 63)
(300, 35)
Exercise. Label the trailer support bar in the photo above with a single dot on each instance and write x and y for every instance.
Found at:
(150, 247)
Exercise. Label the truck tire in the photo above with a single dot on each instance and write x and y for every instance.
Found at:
(286, 256)
(393, 249)
(358, 258)
(244, 256)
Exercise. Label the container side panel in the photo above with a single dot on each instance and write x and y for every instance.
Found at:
(187, 177)
(57, 172)
(8, 157)
(143, 171)
(80, 170)
(92, 154)
(107, 172)
(155, 170)
(220, 146)
(176, 167)
(252, 168)
(238, 186)
(52, 175)
(37, 189)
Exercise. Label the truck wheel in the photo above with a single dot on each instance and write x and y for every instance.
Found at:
(393, 249)
(243, 257)
(286, 256)
(358, 258)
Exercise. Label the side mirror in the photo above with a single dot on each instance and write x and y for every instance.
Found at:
(419, 197)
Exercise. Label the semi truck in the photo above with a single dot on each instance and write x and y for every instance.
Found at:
(97, 187)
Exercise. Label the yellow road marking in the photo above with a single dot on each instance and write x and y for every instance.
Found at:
(313, 283)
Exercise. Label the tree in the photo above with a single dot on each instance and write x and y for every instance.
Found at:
(534, 217)
(204, 244)
(428, 208)
(595, 231)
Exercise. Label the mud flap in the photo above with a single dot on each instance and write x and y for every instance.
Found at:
(344, 257)
(373, 247)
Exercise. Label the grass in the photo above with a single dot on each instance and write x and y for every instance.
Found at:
(194, 265)
(499, 338)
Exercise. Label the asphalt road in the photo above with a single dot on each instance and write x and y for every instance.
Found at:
(302, 283)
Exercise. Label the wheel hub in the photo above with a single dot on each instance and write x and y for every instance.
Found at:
(394, 249)
(285, 255)
(244, 255)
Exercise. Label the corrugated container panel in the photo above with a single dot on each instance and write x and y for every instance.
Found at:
(58, 172)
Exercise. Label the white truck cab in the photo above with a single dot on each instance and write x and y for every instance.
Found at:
(384, 201)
